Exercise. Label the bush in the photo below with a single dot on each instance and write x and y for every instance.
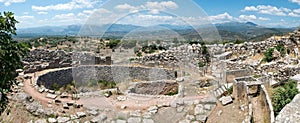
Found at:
(280, 48)
(201, 64)
(269, 55)
(284, 95)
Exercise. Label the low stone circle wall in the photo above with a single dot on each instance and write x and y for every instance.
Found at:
(82, 75)
(160, 87)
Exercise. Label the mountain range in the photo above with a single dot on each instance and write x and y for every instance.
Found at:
(228, 31)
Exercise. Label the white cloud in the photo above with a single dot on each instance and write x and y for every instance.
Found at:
(247, 18)
(296, 10)
(42, 13)
(74, 4)
(221, 17)
(154, 7)
(263, 19)
(125, 7)
(250, 8)
(8, 2)
(295, 1)
(292, 14)
(268, 9)
(161, 5)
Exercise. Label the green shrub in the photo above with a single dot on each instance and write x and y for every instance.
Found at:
(171, 93)
(269, 55)
(201, 64)
(281, 49)
(55, 86)
(283, 95)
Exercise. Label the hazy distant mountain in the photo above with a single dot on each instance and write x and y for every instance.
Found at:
(227, 31)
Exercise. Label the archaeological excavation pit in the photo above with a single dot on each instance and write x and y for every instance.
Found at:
(155, 88)
(82, 75)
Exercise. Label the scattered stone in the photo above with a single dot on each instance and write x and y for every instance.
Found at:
(153, 109)
(121, 98)
(147, 115)
(64, 95)
(62, 119)
(184, 121)
(180, 79)
(81, 114)
(51, 96)
(207, 107)
(201, 118)
(180, 109)
(120, 121)
(73, 117)
(103, 117)
(219, 113)
(123, 107)
(57, 92)
(148, 121)
(65, 106)
(134, 120)
(70, 103)
(76, 105)
(57, 101)
(136, 113)
(41, 121)
(199, 109)
(93, 112)
(52, 120)
(190, 117)
(41, 90)
(226, 100)
(107, 94)
(51, 91)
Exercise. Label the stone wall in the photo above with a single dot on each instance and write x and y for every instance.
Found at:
(237, 73)
(41, 59)
(155, 88)
(82, 75)
(267, 103)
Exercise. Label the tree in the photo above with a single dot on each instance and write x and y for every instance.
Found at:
(11, 53)
(284, 95)
(269, 55)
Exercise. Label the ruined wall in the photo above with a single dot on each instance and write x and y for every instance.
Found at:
(267, 104)
(237, 73)
(82, 75)
(41, 59)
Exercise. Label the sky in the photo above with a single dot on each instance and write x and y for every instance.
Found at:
(268, 13)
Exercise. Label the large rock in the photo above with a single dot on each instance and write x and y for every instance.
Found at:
(51, 96)
(52, 120)
(291, 112)
(134, 120)
(62, 119)
(226, 100)
(41, 121)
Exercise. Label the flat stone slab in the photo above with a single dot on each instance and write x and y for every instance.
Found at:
(51, 96)
(226, 100)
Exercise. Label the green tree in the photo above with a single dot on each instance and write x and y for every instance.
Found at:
(284, 95)
(281, 49)
(269, 55)
(11, 53)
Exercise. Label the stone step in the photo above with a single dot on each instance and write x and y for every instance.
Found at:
(223, 88)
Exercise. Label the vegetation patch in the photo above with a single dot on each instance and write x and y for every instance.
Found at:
(283, 95)
(102, 84)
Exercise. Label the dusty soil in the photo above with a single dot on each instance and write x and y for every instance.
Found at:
(230, 113)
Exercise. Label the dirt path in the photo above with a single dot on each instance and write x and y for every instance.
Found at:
(29, 88)
(230, 113)
(258, 112)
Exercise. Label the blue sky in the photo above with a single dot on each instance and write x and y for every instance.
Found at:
(269, 13)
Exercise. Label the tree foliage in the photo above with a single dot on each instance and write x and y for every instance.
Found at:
(284, 95)
(280, 48)
(269, 55)
(11, 53)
